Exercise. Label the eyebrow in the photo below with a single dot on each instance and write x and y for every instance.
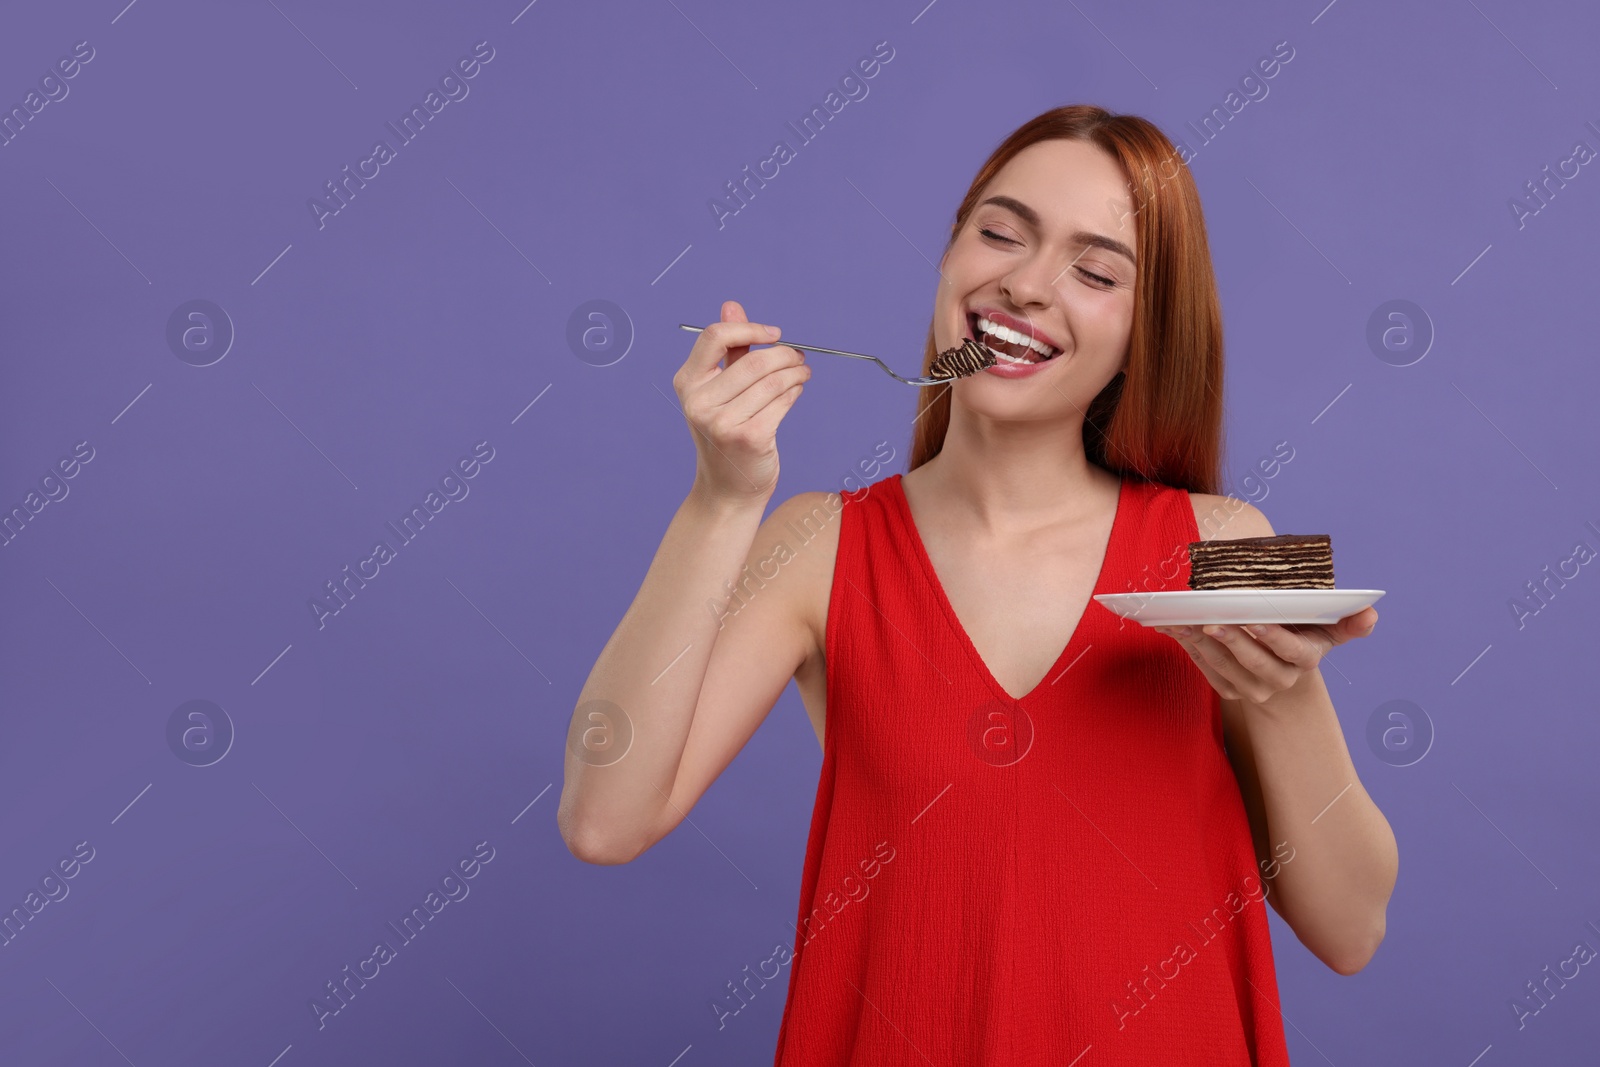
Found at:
(1082, 237)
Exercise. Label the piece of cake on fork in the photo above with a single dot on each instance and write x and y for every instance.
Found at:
(1283, 561)
(969, 357)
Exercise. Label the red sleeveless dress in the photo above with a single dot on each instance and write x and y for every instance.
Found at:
(1066, 879)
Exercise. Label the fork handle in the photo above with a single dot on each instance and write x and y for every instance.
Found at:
(793, 344)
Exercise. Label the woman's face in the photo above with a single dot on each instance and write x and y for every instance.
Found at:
(1039, 255)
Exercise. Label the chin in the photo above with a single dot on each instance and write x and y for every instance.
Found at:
(995, 398)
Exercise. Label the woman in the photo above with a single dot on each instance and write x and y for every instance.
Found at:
(1042, 834)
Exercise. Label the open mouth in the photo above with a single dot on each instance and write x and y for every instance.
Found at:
(1008, 345)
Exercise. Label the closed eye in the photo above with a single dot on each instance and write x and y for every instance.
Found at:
(1107, 283)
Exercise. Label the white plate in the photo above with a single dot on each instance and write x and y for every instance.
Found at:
(1201, 607)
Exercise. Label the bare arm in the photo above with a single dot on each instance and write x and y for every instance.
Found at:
(1334, 854)
(633, 722)
(1329, 851)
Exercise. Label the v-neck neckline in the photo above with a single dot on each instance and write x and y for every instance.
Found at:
(1118, 520)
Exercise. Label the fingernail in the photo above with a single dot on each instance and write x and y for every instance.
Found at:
(773, 331)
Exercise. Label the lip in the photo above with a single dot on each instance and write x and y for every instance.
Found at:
(1017, 370)
(1010, 322)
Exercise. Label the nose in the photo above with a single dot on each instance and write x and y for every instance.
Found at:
(1029, 284)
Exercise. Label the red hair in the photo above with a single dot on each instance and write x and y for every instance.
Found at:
(1160, 419)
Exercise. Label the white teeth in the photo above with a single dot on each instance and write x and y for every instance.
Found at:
(1013, 336)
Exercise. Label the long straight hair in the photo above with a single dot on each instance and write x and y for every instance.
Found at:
(1160, 419)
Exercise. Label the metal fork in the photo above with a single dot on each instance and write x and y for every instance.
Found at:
(852, 355)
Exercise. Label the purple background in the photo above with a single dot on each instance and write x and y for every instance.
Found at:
(432, 310)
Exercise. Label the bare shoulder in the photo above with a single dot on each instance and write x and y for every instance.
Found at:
(1225, 518)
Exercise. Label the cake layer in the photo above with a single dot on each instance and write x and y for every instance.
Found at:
(1282, 561)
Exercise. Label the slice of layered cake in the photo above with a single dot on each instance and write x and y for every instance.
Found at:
(1285, 561)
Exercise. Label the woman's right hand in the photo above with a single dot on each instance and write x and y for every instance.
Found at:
(735, 409)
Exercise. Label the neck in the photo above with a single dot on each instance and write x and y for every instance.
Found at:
(1005, 476)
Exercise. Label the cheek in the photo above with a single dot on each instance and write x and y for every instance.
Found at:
(946, 306)
(1108, 321)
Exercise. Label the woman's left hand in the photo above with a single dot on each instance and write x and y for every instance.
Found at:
(1255, 662)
